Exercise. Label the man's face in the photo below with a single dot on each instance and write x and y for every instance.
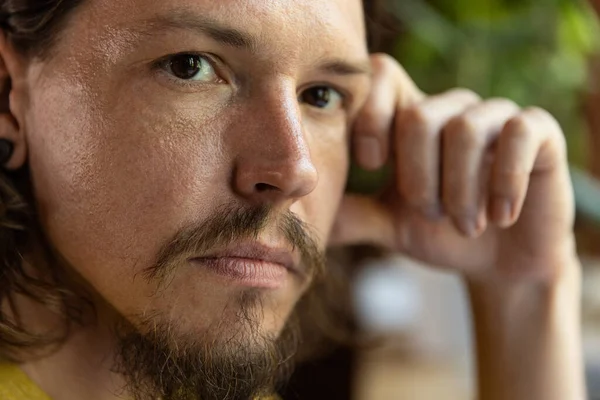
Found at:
(154, 120)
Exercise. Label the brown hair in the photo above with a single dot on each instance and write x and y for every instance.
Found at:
(32, 27)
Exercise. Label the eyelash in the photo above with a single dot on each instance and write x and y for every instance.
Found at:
(160, 66)
(346, 97)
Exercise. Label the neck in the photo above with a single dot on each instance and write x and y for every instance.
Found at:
(80, 368)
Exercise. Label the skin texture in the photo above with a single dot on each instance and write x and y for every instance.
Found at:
(189, 150)
(123, 156)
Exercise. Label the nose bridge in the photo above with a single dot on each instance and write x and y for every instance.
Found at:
(275, 160)
(280, 126)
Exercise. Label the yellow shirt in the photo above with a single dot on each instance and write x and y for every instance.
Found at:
(15, 385)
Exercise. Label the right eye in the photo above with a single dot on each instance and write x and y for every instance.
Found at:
(191, 67)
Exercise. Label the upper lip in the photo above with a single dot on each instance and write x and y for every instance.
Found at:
(260, 252)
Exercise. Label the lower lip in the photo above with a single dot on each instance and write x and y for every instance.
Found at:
(246, 272)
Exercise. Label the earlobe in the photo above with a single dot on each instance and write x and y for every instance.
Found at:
(13, 147)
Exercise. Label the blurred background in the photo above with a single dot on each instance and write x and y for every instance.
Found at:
(537, 52)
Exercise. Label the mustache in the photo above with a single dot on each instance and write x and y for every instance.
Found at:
(230, 224)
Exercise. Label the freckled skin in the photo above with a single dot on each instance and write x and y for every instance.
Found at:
(121, 158)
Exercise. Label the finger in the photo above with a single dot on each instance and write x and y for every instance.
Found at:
(465, 143)
(362, 220)
(530, 142)
(417, 147)
(390, 87)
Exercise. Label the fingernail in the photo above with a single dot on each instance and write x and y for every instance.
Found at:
(469, 226)
(502, 212)
(369, 152)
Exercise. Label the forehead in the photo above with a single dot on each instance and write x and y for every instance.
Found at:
(291, 27)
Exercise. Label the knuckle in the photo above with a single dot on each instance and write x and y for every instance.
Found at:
(535, 121)
(551, 125)
(503, 103)
(462, 131)
(382, 62)
(467, 94)
(518, 127)
(538, 112)
(415, 118)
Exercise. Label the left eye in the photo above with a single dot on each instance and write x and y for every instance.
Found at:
(191, 67)
(323, 97)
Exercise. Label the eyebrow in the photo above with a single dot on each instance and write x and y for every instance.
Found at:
(215, 30)
(342, 67)
(238, 39)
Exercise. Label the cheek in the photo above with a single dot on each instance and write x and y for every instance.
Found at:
(332, 161)
(111, 190)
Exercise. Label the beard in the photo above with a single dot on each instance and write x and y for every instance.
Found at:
(233, 360)
(241, 364)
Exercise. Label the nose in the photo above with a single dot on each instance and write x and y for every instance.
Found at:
(274, 161)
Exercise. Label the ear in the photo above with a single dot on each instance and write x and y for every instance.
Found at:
(11, 119)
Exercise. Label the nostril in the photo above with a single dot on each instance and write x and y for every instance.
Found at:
(264, 187)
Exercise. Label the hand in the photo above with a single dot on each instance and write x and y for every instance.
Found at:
(480, 187)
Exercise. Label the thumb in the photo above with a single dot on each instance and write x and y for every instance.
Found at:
(363, 220)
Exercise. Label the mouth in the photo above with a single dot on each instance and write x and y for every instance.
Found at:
(252, 265)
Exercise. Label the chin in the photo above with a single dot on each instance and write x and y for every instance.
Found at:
(251, 312)
(162, 358)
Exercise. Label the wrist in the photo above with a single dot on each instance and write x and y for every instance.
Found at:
(549, 268)
(527, 336)
(521, 300)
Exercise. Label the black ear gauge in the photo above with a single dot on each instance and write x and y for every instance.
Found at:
(6, 151)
